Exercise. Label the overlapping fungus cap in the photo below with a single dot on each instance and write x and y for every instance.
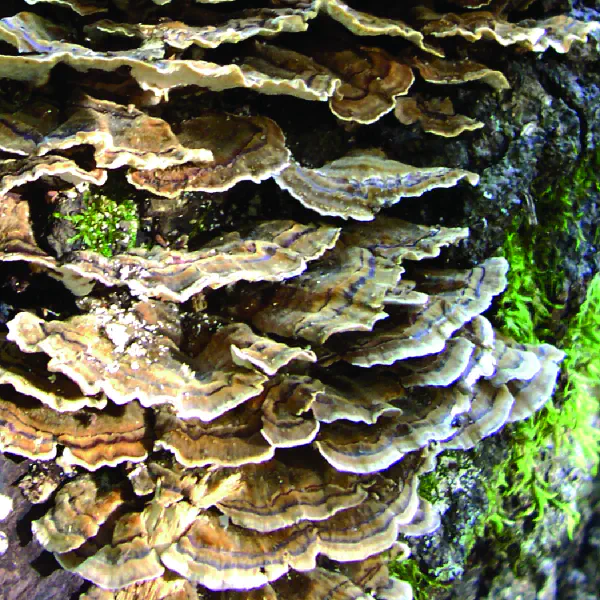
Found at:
(18, 172)
(234, 28)
(89, 439)
(359, 422)
(114, 546)
(557, 33)
(428, 326)
(353, 487)
(434, 116)
(275, 393)
(358, 435)
(28, 375)
(120, 136)
(124, 354)
(365, 24)
(358, 186)
(242, 149)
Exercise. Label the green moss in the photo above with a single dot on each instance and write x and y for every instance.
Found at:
(526, 313)
(565, 426)
(422, 583)
(104, 225)
(429, 486)
(524, 306)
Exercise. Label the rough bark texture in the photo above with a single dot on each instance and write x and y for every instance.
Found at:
(26, 571)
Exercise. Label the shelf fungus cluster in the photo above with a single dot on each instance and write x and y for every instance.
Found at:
(261, 452)
(247, 417)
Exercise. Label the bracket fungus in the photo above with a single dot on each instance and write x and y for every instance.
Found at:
(246, 411)
(241, 148)
(358, 186)
(434, 116)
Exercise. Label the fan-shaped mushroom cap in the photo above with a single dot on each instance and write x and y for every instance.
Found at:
(357, 396)
(90, 439)
(364, 24)
(304, 77)
(286, 421)
(513, 362)
(115, 567)
(490, 408)
(16, 172)
(280, 493)
(427, 415)
(134, 542)
(121, 135)
(223, 557)
(31, 33)
(398, 240)
(444, 71)
(80, 508)
(345, 292)
(242, 148)
(244, 25)
(28, 375)
(272, 251)
(119, 355)
(440, 369)
(470, 294)
(530, 395)
(253, 351)
(371, 81)
(230, 440)
(359, 186)
(469, 355)
(435, 116)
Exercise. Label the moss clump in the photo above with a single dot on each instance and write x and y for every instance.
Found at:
(104, 225)
(422, 584)
(528, 312)
(564, 426)
(538, 249)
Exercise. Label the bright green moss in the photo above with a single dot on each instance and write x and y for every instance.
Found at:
(524, 306)
(567, 427)
(422, 584)
(104, 225)
(564, 432)
(526, 313)
(582, 390)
